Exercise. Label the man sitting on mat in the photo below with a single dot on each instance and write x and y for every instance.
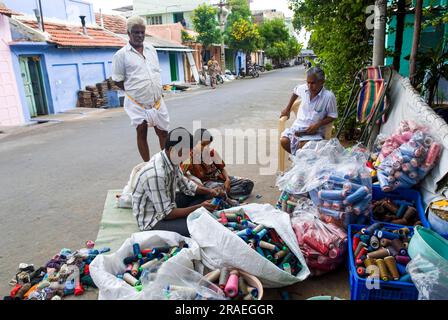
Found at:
(318, 109)
(156, 204)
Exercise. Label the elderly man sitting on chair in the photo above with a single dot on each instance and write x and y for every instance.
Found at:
(318, 109)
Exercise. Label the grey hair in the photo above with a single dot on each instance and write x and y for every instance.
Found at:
(135, 21)
(317, 72)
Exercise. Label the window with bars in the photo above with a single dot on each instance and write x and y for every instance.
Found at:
(153, 20)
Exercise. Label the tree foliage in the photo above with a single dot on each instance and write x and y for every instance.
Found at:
(205, 23)
(277, 42)
(241, 33)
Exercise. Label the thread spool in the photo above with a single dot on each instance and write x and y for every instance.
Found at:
(149, 264)
(385, 234)
(260, 251)
(398, 246)
(90, 244)
(361, 271)
(365, 238)
(361, 245)
(402, 259)
(231, 217)
(410, 214)
(213, 276)
(389, 205)
(253, 291)
(262, 233)
(332, 213)
(281, 254)
(374, 242)
(185, 292)
(355, 241)
(385, 242)
(130, 279)
(405, 278)
(332, 195)
(136, 249)
(242, 285)
(414, 163)
(258, 228)
(371, 229)
(288, 258)
(405, 245)
(379, 254)
(392, 267)
(401, 269)
(223, 218)
(244, 233)
(287, 268)
(267, 245)
(369, 262)
(360, 194)
(231, 288)
(433, 153)
(223, 277)
(392, 251)
(401, 210)
(361, 253)
(384, 275)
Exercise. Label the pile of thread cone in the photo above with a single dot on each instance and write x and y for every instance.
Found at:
(396, 212)
(264, 240)
(232, 282)
(380, 251)
(344, 200)
(67, 273)
(287, 202)
(144, 263)
(410, 163)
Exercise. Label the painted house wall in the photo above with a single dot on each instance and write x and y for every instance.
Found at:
(68, 10)
(10, 105)
(164, 61)
(65, 72)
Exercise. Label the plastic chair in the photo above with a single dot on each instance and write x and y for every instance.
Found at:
(281, 128)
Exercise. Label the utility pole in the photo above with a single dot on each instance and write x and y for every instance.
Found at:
(223, 12)
(379, 41)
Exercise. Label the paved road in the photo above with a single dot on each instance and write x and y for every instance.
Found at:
(54, 179)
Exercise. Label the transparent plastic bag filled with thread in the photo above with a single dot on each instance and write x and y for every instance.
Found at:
(342, 189)
(429, 277)
(323, 245)
(305, 162)
(178, 282)
(410, 163)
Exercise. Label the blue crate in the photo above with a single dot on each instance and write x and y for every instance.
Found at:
(389, 290)
(410, 195)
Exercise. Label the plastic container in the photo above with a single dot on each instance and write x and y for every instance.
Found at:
(410, 195)
(252, 281)
(389, 290)
(438, 224)
(429, 244)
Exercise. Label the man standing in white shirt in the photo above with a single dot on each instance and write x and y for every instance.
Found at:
(136, 70)
(318, 109)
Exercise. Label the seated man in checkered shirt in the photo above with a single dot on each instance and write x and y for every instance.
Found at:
(156, 203)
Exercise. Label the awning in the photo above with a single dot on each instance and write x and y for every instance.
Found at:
(175, 49)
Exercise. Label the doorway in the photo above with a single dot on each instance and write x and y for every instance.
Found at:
(174, 66)
(31, 72)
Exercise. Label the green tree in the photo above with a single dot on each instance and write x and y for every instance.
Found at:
(277, 42)
(240, 32)
(205, 23)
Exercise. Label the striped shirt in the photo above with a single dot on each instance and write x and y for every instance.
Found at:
(155, 194)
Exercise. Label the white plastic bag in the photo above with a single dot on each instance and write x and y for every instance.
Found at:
(430, 278)
(105, 268)
(125, 199)
(220, 247)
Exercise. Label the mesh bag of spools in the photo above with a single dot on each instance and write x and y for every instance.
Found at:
(410, 163)
(323, 245)
(430, 277)
(119, 276)
(341, 188)
(254, 238)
